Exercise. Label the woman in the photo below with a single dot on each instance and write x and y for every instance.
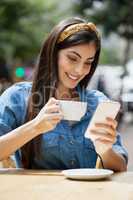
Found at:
(31, 120)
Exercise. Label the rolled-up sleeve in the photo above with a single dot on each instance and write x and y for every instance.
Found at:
(119, 148)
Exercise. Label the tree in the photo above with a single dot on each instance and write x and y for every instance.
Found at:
(24, 24)
(81, 5)
(115, 16)
(18, 24)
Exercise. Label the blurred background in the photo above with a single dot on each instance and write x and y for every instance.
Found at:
(25, 24)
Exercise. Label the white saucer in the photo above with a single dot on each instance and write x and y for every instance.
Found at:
(87, 173)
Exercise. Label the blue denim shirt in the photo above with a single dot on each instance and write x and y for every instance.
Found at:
(65, 146)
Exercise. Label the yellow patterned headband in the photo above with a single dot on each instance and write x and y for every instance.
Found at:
(70, 30)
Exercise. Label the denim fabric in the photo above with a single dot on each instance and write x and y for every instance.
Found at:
(64, 147)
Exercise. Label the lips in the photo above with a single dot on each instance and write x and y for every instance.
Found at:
(72, 77)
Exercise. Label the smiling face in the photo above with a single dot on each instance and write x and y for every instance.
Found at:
(74, 63)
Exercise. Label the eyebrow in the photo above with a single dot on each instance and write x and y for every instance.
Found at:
(91, 58)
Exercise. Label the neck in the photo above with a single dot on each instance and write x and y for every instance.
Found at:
(62, 93)
(66, 93)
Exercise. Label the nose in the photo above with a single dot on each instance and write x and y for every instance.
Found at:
(78, 69)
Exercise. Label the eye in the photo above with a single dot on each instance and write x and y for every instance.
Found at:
(88, 64)
(72, 58)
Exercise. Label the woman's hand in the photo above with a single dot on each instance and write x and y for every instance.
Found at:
(49, 116)
(103, 135)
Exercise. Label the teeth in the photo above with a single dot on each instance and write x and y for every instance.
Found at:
(72, 77)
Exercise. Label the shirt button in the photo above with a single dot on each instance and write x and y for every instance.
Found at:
(72, 162)
(61, 137)
(71, 142)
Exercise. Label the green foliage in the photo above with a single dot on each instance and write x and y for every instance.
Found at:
(115, 16)
(109, 56)
(81, 5)
(18, 24)
(24, 24)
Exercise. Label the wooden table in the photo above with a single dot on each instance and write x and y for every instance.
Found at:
(52, 185)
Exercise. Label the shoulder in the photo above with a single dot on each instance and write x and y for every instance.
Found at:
(21, 86)
(17, 89)
(13, 103)
(16, 95)
(94, 97)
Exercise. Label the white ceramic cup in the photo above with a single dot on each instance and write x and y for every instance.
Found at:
(73, 110)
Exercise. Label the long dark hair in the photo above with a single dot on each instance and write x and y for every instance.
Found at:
(46, 76)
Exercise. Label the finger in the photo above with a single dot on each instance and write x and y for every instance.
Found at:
(106, 127)
(53, 116)
(112, 122)
(52, 100)
(52, 109)
(104, 136)
(55, 121)
(105, 141)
